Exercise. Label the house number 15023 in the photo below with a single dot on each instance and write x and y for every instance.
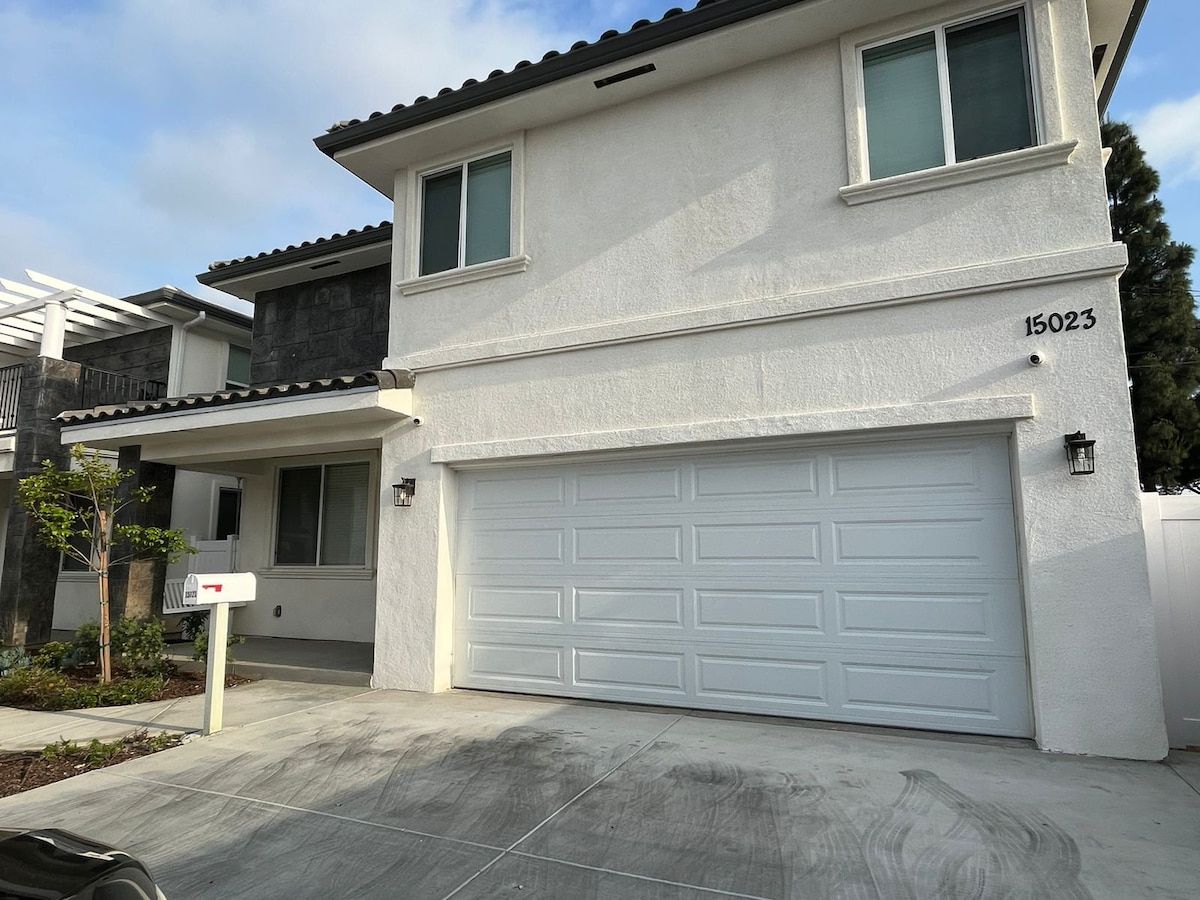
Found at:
(1056, 322)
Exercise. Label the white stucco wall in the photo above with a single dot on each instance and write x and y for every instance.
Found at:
(660, 230)
(204, 362)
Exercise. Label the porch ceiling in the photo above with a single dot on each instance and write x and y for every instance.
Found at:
(242, 438)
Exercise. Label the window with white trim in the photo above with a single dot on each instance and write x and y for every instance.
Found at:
(948, 94)
(466, 214)
(322, 515)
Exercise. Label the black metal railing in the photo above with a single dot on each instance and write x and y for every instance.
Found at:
(10, 395)
(100, 388)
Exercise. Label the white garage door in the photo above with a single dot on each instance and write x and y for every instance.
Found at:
(863, 583)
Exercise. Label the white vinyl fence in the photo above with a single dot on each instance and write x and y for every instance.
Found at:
(1173, 550)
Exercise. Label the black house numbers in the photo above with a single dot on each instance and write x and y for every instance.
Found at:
(1056, 322)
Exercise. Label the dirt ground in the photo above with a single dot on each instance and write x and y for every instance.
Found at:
(29, 769)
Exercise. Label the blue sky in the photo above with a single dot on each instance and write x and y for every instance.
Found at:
(146, 138)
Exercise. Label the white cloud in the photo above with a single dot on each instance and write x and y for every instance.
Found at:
(1169, 132)
(148, 137)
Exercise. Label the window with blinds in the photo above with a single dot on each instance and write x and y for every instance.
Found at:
(466, 214)
(948, 95)
(323, 515)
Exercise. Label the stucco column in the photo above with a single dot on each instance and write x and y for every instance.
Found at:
(414, 593)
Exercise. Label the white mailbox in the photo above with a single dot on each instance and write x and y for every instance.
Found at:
(223, 587)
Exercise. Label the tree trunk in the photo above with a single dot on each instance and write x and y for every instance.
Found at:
(102, 567)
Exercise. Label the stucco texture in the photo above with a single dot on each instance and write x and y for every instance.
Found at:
(724, 196)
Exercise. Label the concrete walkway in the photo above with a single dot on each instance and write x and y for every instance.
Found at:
(22, 729)
(469, 796)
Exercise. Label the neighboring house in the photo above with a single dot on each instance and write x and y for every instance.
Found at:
(732, 359)
(66, 348)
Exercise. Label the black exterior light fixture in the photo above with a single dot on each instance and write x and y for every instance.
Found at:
(1081, 453)
(403, 490)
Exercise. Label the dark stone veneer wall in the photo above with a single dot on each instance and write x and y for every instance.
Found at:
(321, 329)
(146, 354)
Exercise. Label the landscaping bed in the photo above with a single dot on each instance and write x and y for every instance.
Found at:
(26, 770)
(51, 690)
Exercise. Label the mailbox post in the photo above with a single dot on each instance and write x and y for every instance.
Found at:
(217, 591)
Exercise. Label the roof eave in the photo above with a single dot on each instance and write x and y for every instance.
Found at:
(1122, 53)
(604, 52)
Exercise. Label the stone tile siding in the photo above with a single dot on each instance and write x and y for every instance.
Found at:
(320, 329)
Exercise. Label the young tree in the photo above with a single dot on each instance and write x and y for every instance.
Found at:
(1162, 335)
(76, 509)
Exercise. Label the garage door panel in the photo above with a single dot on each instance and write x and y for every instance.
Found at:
(636, 486)
(738, 610)
(871, 583)
(630, 670)
(757, 543)
(634, 606)
(941, 692)
(515, 490)
(517, 545)
(782, 477)
(982, 618)
(515, 603)
(754, 679)
(639, 544)
(500, 662)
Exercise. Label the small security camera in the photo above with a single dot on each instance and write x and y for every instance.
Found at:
(1036, 359)
(418, 421)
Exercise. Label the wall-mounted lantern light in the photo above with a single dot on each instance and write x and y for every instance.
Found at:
(403, 490)
(1081, 453)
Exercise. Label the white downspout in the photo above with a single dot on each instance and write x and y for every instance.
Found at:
(179, 346)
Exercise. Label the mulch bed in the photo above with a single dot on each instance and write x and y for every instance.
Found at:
(26, 770)
(178, 684)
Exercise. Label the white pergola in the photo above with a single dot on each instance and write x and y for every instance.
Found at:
(44, 316)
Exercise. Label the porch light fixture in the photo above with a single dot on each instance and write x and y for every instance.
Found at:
(1081, 453)
(403, 490)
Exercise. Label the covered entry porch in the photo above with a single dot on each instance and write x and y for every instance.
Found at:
(306, 456)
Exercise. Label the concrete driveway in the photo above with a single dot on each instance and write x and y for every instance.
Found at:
(387, 794)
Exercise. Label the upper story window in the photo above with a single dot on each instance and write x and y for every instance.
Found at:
(947, 95)
(237, 368)
(466, 214)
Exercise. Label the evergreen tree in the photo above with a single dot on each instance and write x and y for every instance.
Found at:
(1162, 334)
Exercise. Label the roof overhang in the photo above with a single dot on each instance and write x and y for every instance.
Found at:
(1113, 24)
(331, 256)
(684, 48)
(242, 438)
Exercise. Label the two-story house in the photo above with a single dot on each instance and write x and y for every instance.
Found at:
(734, 361)
(66, 347)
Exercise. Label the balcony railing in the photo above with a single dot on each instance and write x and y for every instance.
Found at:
(100, 388)
(10, 395)
(96, 388)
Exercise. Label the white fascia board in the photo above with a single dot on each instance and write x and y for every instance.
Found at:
(359, 403)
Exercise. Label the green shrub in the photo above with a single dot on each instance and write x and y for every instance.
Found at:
(86, 643)
(136, 643)
(139, 643)
(53, 655)
(51, 690)
(195, 629)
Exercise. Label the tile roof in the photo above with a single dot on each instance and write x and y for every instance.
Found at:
(384, 379)
(675, 25)
(368, 234)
